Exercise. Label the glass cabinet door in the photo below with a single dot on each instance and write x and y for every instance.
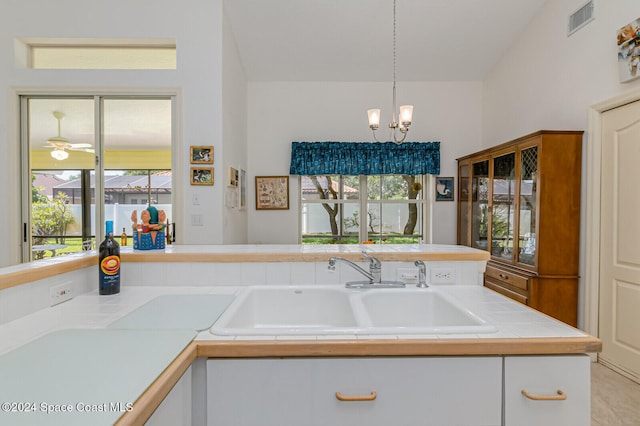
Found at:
(463, 205)
(480, 205)
(527, 222)
(503, 205)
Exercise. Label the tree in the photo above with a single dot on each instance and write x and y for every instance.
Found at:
(414, 189)
(36, 196)
(326, 194)
(51, 218)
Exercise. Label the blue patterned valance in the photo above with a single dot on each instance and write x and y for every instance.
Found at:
(365, 158)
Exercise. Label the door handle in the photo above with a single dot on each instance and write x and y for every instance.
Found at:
(560, 396)
(351, 398)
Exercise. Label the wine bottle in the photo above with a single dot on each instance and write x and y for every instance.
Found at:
(109, 263)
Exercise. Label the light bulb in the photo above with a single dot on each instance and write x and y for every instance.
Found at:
(406, 113)
(374, 118)
(59, 154)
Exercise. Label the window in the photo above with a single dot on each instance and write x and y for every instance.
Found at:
(67, 192)
(341, 209)
(92, 53)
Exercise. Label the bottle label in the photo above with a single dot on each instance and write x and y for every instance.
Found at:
(110, 265)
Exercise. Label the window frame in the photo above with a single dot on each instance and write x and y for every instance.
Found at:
(98, 97)
(363, 202)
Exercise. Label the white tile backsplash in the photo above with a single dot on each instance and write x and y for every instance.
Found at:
(25, 299)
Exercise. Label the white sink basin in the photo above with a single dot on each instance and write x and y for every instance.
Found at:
(327, 310)
(288, 310)
(420, 311)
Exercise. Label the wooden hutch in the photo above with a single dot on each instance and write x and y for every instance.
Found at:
(521, 201)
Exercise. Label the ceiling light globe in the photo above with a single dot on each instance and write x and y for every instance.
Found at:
(59, 154)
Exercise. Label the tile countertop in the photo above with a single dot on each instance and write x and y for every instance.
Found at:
(521, 330)
(513, 321)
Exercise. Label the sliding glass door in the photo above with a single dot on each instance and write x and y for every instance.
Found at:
(87, 160)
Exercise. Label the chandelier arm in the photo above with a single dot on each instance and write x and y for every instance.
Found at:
(399, 141)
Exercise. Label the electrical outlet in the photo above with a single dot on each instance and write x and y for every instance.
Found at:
(443, 275)
(60, 293)
(407, 275)
(196, 220)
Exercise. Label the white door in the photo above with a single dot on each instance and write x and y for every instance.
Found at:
(619, 319)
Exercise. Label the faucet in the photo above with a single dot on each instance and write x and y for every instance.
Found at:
(374, 275)
(422, 274)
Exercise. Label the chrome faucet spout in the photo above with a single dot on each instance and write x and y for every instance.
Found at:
(332, 266)
(374, 276)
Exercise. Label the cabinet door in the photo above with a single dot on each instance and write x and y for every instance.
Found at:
(480, 205)
(503, 194)
(464, 197)
(386, 391)
(546, 379)
(527, 225)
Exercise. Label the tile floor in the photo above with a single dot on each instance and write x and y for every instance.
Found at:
(615, 400)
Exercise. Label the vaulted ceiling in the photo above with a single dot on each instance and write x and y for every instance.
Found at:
(351, 40)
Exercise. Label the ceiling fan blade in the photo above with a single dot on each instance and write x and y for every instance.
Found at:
(79, 145)
(75, 148)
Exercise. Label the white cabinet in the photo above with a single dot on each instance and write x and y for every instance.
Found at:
(388, 391)
(547, 380)
(175, 409)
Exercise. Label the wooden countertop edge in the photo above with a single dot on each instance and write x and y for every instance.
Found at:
(46, 270)
(147, 403)
(394, 347)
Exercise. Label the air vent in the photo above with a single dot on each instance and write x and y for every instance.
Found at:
(581, 17)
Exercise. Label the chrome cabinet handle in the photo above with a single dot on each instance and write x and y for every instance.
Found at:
(373, 395)
(560, 396)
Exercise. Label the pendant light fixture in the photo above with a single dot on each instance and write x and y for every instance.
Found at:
(406, 111)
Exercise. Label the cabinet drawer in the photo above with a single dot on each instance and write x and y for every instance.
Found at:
(500, 288)
(508, 277)
(384, 391)
(546, 379)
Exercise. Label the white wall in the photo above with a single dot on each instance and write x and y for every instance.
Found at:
(283, 112)
(197, 28)
(234, 135)
(548, 81)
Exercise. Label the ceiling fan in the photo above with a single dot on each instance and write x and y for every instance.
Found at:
(60, 145)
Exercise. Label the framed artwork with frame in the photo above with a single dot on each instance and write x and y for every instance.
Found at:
(272, 192)
(201, 154)
(201, 175)
(444, 188)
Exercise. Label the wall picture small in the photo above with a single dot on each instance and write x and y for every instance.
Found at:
(272, 192)
(202, 155)
(444, 188)
(232, 177)
(628, 39)
(202, 176)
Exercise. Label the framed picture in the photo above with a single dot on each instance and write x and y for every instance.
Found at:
(202, 176)
(272, 192)
(629, 51)
(232, 179)
(444, 188)
(202, 155)
(242, 202)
